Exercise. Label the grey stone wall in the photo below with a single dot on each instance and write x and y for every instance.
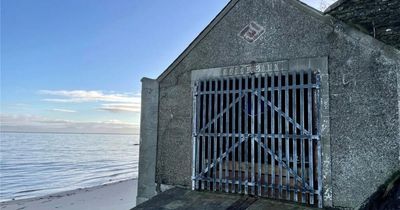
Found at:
(364, 101)
(148, 140)
(364, 118)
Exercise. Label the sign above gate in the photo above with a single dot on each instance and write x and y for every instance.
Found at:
(255, 68)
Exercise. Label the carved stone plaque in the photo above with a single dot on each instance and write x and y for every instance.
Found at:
(251, 32)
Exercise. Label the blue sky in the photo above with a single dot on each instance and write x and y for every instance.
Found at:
(76, 65)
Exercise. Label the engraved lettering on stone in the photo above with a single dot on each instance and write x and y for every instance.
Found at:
(254, 69)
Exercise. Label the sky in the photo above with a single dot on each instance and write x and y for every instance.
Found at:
(76, 65)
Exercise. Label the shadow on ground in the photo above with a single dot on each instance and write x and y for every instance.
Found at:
(178, 198)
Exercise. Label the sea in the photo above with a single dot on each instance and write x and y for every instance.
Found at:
(37, 164)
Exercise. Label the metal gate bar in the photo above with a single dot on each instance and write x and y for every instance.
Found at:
(252, 134)
(280, 131)
(208, 145)
(310, 142)
(273, 135)
(259, 188)
(240, 136)
(286, 134)
(221, 137)
(203, 139)
(303, 158)
(234, 138)
(227, 140)
(246, 134)
(266, 132)
(294, 110)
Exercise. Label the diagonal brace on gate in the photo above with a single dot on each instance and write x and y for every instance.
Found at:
(284, 164)
(286, 116)
(220, 114)
(277, 109)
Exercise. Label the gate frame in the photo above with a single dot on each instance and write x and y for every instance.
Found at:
(319, 64)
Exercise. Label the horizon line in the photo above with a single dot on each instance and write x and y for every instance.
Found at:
(49, 132)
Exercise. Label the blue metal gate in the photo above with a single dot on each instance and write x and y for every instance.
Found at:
(259, 135)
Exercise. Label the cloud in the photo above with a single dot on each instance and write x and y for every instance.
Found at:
(78, 96)
(121, 107)
(31, 123)
(13, 120)
(115, 102)
(63, 110)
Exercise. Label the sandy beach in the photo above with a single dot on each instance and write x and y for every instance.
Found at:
(115, 196)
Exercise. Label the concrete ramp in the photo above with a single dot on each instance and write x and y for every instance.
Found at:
(179, 198)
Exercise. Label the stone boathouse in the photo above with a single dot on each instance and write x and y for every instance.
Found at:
(275, 99)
